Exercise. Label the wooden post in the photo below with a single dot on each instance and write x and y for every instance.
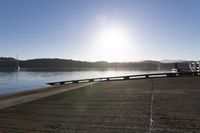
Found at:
(126, 78)
(75, 81)
(62, 83)
(91, 80)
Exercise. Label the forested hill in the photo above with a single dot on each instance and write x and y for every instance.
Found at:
(59, 64)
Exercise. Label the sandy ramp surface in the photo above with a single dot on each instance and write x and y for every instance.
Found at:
(160, 105)
(27, 96)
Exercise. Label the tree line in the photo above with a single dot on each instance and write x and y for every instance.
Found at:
(59, 64)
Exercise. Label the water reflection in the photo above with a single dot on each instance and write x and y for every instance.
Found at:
(25, 80)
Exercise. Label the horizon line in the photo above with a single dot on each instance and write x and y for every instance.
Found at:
(142, 60)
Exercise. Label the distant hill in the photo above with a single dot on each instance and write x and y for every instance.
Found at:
(72, 64)
(66, 64)
(172, 61)
(7, 63)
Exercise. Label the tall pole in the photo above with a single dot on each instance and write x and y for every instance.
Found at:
(18, 67)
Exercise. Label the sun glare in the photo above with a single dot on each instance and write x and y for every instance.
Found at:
(113, 42)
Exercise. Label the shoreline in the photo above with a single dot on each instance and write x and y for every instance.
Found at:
(16, 98)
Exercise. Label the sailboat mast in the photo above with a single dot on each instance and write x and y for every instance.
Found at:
(18, 67)
(17, 62)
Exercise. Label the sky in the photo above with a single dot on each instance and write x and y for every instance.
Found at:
(100, 30)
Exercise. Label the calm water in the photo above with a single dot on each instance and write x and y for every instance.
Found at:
(25, 80)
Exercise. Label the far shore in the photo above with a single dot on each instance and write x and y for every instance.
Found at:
(76, 69)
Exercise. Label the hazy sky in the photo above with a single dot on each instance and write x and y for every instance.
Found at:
(93, 30)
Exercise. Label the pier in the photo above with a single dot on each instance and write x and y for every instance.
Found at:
(170, 103)
(127, 77)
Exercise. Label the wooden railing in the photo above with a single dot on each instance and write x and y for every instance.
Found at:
(128, 77)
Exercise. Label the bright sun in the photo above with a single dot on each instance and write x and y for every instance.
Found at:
(112, 42)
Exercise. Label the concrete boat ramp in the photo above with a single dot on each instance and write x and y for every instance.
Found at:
(154, 105)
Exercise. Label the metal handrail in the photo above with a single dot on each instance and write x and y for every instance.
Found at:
(127, 77)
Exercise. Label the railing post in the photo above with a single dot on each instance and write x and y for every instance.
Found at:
(62, 83)
(91, 80)
(74, 82)
(126, 78)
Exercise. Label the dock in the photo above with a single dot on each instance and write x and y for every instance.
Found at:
(149, 105)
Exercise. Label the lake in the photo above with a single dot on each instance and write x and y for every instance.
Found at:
(11, 82)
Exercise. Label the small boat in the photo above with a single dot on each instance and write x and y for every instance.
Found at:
(175, 70)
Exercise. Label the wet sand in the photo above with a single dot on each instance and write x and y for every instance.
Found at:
(132, 106)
